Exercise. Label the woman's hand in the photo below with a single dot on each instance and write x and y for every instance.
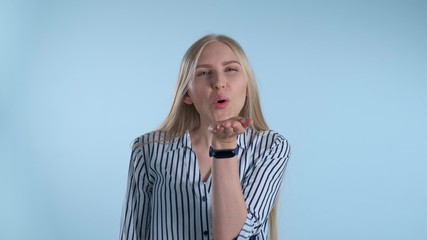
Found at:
(224, 132)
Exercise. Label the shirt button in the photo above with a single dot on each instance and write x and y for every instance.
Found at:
(205, 233)
(204, 198)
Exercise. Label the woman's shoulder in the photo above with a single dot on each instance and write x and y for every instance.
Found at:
(161, 138)
(263, 141)
(265, 136)
(271, 132)
(148, 138)
(267, 143)
(143, 144)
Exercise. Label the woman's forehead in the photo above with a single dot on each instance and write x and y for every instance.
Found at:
(216, 52)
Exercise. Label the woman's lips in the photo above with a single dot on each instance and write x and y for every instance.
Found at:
(221, 102)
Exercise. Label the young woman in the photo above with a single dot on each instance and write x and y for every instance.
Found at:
(213, 169)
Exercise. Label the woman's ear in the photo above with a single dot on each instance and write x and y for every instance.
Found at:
(187, 99)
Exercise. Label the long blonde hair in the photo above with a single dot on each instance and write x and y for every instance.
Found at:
(183, 117)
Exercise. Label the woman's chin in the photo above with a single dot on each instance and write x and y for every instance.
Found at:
(223, 117)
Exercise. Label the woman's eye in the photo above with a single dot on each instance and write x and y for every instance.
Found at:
(203, 73)
(231, 69)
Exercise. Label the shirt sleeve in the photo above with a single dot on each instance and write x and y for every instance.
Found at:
(135, 219)
(261, 186)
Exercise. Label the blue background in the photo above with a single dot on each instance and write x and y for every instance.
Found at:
(344, 81)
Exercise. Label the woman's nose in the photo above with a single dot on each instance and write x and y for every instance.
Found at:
(219, 82)
(219, 85)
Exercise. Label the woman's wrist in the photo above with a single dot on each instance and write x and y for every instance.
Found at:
(218, 144)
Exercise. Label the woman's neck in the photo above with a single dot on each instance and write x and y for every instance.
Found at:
(201, 137)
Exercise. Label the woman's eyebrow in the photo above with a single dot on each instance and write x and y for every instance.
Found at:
(223, 63)
(203, 65)
(229, 62)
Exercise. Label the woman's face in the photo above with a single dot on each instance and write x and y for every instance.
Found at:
(219, 88)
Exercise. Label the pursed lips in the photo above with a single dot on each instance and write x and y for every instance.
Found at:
(221, 102)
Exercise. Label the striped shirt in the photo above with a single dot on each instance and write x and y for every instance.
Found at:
(166, 197)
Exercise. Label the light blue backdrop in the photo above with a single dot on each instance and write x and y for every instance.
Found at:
(344, 81)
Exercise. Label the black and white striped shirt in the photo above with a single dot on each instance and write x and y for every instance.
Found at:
(167, 199)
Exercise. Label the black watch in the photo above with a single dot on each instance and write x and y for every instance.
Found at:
(223, 153)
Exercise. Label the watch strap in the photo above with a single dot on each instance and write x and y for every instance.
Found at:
(223, 153)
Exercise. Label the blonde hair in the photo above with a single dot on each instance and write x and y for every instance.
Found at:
(183, 117)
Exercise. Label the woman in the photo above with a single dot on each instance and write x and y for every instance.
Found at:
(213, 169)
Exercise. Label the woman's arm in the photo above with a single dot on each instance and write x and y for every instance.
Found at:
(229, 208)
(262, 183)
(228, 204)
(135, 220)
(240, 209)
